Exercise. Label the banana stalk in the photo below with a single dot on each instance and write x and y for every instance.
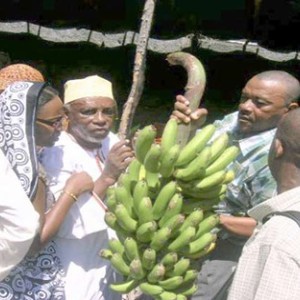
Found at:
(194, 89)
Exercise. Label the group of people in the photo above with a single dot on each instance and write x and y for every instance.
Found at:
(64, 175)
(56, 177)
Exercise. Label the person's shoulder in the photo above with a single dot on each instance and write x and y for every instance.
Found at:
(60, 146)
(227, 124)
(283, 233)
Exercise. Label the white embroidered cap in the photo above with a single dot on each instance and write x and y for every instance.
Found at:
(90, 86)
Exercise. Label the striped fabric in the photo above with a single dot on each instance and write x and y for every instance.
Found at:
(253, 183)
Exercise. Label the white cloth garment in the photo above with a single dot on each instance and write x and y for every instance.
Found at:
(19, 222)
(269, 267)
(84, 232)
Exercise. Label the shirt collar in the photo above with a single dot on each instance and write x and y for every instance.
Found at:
(249, 144)
(280, 202)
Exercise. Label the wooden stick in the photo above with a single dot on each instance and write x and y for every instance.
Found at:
(138, 71)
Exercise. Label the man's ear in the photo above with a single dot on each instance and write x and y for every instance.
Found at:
(293, 105)
(278, 148)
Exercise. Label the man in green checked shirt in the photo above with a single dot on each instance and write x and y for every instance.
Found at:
(265, 98)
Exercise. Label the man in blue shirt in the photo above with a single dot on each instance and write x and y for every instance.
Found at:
(265, 98)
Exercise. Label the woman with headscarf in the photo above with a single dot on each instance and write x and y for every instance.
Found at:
(31, 118)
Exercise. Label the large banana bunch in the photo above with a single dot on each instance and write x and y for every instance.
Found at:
(162, 211)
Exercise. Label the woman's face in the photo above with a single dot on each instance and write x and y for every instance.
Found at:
(49, 122)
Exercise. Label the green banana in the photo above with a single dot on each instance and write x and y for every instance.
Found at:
(116, 246)
(111, 202)
(169, 136)
(144, 141)
(196, 168)
(193, 219)
(136, 269)
(110, 191)
(228, 156)
(145, 213)
(150, 289)
(190, 291)
(173, 208)
(211, 180)
(179, 268)
(229, 176)
(213, 193)
(111, 220)
(167, 296)
(174, 223)
(153, 183)
(152, 158)
(218, 146)
(207, 224)
(149, 259)
(133, 171)
(106, 254)
(190, 205)
(157, 273)
(125, 180)
(190, 276)
(145, 232)
(119, 264)
(160, 238)
(163, 198)
(168, 161)
(169, 260)
(142, 174)
(181, 297)
(124, 287)
(140, 191)
(183, 239)
(171, 283)
(131, 248)
(124, 219)
(201, 242)
(195, 145)
(209, 248)
(123, 196)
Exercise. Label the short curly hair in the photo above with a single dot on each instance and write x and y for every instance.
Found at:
(19, 72)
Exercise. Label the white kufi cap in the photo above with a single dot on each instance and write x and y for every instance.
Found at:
(91, 86)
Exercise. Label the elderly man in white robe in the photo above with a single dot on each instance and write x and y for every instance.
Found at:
(87, 145)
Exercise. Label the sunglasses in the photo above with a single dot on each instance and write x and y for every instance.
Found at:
(57, 122)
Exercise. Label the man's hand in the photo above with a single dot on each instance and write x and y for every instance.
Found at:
(117, 161)
(183, 113)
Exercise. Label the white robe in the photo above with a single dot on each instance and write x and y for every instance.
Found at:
(84, 232)
(19, 222)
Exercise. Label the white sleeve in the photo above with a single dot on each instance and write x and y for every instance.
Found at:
(19, 222)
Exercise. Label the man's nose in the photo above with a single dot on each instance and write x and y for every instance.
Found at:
(100, 117)
(246, 105)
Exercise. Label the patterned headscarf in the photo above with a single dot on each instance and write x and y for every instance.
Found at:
(18, 106)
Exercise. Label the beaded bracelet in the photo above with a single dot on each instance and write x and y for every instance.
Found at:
(71, 195)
